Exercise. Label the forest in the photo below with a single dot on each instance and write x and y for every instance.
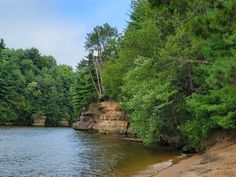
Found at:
(32, 85)
(173, 69)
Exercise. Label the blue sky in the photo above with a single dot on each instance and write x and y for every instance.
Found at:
(58, 27)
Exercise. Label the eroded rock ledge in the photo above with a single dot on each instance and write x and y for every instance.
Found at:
(39, 121)
(106, 117)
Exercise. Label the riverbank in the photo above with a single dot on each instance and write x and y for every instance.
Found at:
(218, 161)
(33, 151)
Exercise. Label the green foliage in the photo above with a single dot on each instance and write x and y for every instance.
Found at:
(112, 73)
(175, 70)
(2, 44)
(102, 44)
(31, 85)
(101, 37)
(7, 114)
(82, 91)
(148, 101)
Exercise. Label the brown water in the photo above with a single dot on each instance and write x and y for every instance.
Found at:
(63, 152)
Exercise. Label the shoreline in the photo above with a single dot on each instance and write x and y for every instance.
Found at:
(156, 168)
(31, 126)
(218, 161)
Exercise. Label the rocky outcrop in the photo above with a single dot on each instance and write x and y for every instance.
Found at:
(64, 123)
(107, 117)
(86, 121)
(39, 121)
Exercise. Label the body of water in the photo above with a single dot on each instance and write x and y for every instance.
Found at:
(62, 152)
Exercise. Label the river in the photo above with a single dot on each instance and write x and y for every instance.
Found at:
(62, 152)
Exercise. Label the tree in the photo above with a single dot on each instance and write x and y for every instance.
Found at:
(11, 87)
(98, 43)
(82, 91)
(2, 44)
(175, 71)
(33, 85)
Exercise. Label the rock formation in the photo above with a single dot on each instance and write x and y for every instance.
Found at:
(107, 117)
(39, 121)
(64, 123)
(86, 121)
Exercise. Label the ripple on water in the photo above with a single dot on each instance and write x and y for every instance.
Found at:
(65, 152)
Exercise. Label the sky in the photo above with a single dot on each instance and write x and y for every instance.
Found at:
(58, 27)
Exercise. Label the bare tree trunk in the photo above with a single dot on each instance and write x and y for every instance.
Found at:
(96, 66)
(93, 82)
(100, 60)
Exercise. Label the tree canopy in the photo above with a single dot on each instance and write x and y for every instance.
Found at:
(175, 70)
(33, 85)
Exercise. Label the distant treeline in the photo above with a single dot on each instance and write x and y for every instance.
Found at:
(32, 85)
(173, 69)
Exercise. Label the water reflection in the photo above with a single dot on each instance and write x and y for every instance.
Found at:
(65, 152)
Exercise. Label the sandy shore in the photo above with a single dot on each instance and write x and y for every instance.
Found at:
(218, 161)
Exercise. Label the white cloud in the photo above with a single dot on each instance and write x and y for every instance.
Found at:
(57, 27)
(29, 23)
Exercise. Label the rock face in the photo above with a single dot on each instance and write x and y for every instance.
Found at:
(86, 121)
(111, 127)
(64, 123)
(107, 118)
(39, 121)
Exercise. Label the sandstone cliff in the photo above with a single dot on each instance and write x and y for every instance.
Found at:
(39, 121)
(64, 123)
(106, 117)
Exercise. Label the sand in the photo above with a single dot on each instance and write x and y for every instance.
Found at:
(218, 161)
